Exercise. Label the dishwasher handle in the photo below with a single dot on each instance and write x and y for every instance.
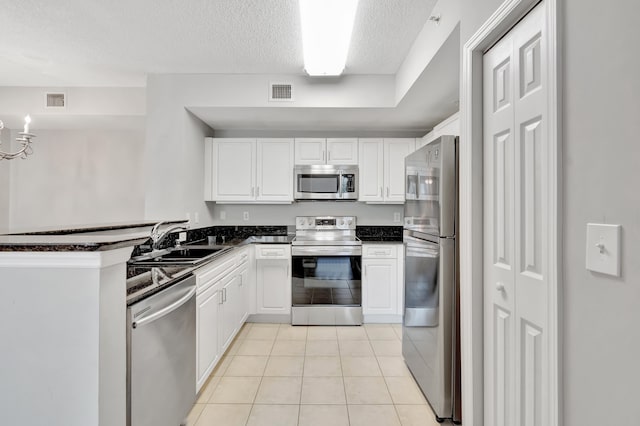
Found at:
(164, 311)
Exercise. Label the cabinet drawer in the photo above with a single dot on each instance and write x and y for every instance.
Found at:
(281, 251)
(387, 251)
(243, 256)
(214, 270)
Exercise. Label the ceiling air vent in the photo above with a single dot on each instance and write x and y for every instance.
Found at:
(56, 100)
(281, 92)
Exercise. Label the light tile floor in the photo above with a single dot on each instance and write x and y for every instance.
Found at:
(281, 375)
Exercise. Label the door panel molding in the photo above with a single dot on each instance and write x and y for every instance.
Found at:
(471, 209)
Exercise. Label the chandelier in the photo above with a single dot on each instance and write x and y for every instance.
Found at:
(24, 139)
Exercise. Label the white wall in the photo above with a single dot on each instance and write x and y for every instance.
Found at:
(78, 177)
(601, 171)
(367, 214)
(426, 46)
(601, 346)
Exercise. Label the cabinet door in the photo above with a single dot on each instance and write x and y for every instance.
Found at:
(379, 286)
(245, 296)
(342, 151)
(275, 170)
(230, 315)
(394, 152)
(371, 161)
(207, 354)
(273, 286)
(310, 151)
(234, 164)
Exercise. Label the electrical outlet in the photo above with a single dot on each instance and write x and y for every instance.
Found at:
(396, 217)
(182, 236)
(223, 215)
(245, 215)
(196, 217)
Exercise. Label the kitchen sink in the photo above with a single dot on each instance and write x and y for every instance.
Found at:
(179, 256)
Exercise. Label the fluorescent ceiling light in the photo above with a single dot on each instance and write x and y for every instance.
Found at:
(326, 34)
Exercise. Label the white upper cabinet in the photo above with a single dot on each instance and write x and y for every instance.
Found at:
(382, 169)
(342, 151)
(310, 150)
(326, 151)
(394, 152)
(371, 170)
(239, 170)
(274, 181)
(231, 169)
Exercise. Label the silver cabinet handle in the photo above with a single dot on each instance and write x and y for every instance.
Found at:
(257, 191)
(252, 191)
(329, 156)
(380, 252)
(381, 191)
(221, 297)
(322, 155)
(164, 311)
(387, 192)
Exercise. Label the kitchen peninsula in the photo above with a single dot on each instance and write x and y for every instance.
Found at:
(62, 324)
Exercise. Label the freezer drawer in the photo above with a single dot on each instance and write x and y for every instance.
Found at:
(429, 318)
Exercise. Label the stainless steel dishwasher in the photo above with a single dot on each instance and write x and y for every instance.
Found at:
(161, 356)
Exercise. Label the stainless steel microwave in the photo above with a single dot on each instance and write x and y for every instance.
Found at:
(326, 182)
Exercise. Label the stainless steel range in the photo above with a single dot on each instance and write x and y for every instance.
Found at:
(326, 258)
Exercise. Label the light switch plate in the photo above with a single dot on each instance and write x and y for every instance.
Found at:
(603, 248)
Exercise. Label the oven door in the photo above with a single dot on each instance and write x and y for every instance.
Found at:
(326, 285)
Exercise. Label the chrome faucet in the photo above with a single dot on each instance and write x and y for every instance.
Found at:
(158, 237)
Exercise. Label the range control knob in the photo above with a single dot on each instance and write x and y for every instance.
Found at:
(350, 221)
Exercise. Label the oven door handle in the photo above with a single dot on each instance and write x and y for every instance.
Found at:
(327, 251)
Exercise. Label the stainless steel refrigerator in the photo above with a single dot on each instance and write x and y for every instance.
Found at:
(430, 331)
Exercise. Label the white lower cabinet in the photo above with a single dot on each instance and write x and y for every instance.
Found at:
(222, 307)
(382, 282)
(207, 312)
(273, 279)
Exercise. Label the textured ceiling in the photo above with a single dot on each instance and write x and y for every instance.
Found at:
(116, 42)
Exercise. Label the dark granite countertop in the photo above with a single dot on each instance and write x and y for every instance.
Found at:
(79, 238)
(145, 281)
(78, 229)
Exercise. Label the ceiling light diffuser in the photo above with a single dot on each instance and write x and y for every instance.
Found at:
(326, 33)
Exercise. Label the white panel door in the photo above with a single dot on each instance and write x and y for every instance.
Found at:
(515, 212)
(230, 312)
(394, 152)
(379, 287)
(342, 151)
(274, 180)
(234, 175)
(311, 150)
(207, 354)
(371, 170)
(273, 286)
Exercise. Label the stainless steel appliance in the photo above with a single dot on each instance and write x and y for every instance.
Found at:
(326, 182)
(161, 356)
(430, 337)
(326, 260)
